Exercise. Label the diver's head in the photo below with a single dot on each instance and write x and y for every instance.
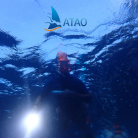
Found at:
(63, 63)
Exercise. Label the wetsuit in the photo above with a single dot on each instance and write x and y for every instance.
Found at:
(69, 109)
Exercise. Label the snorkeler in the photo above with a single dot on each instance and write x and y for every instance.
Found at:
(71, 102)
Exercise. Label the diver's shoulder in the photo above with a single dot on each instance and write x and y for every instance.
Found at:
(72, 76)
(75, 77)
(52, 78)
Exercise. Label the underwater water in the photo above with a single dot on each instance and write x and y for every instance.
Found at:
(103, 54)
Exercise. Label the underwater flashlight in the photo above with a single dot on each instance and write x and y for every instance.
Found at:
(32, 121)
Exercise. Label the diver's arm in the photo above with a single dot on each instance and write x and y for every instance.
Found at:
(37, 104)
(40, 99)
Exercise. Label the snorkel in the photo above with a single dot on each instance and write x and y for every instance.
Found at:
(63, 62)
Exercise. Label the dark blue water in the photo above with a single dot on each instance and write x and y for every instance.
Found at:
(109, 70)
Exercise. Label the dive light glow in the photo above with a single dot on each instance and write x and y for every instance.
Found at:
(32, 120)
